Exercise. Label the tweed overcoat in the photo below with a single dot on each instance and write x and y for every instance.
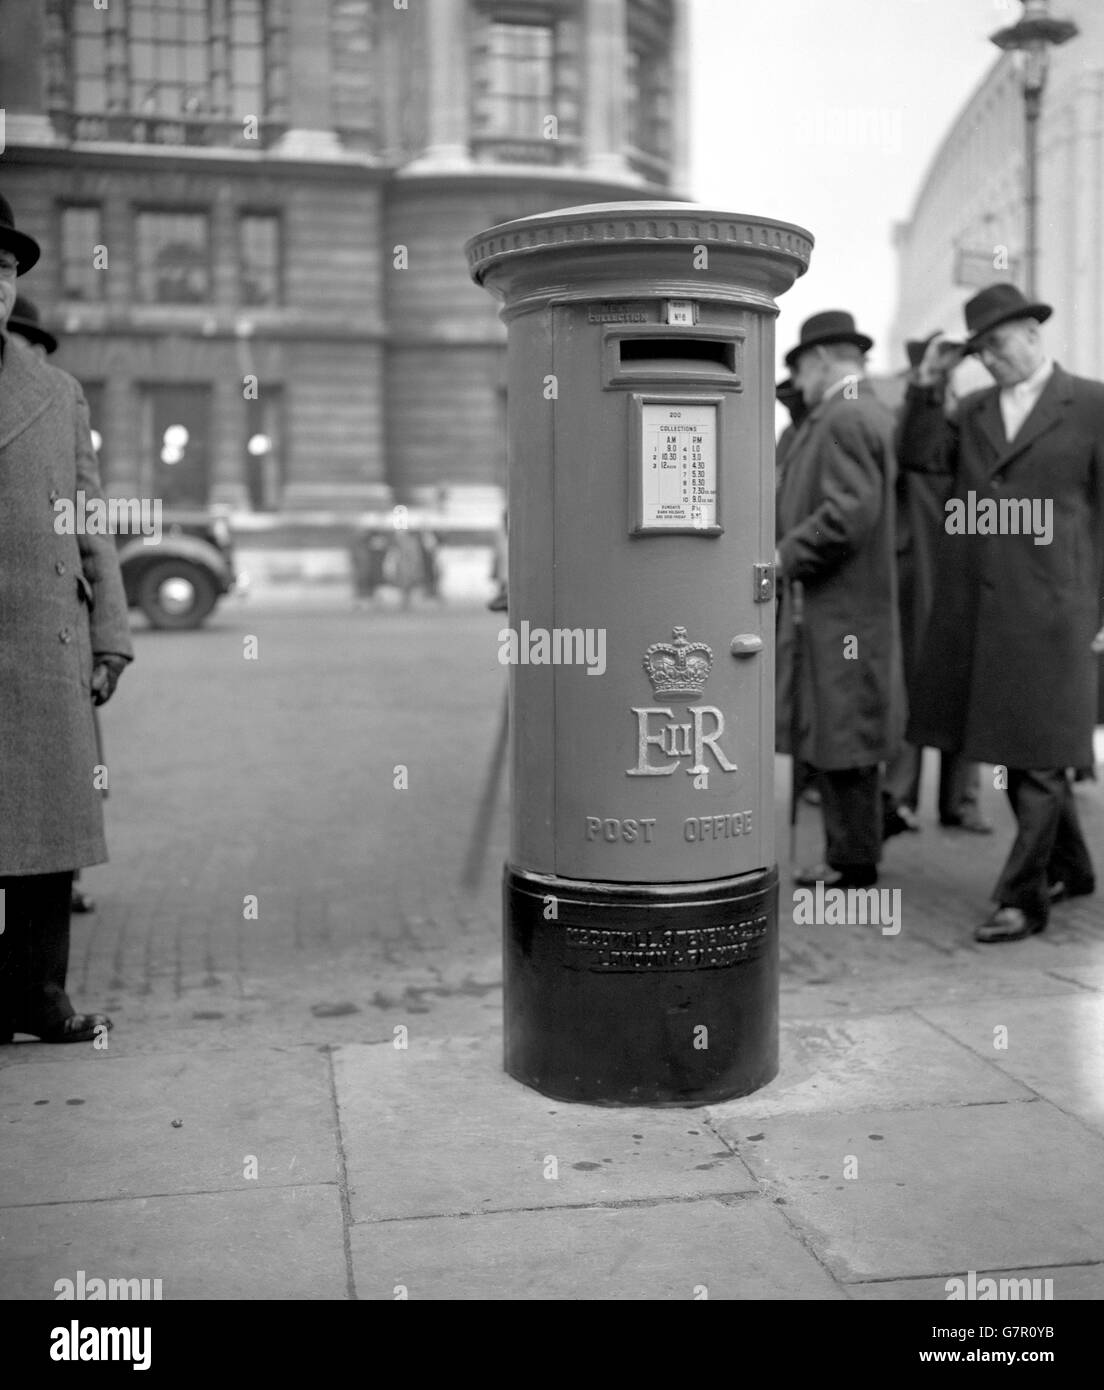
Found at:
(1007, 673)
(835, 530)
(61, 601)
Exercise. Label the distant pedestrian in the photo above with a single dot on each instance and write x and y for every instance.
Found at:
(835, 540)
(921, 515)
(1008, 671)
(66, 640)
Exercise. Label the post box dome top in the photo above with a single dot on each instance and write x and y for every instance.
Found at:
(631, 239)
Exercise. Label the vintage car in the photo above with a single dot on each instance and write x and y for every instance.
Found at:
(177, 581)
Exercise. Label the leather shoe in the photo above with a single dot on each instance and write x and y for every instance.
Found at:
(1008, 924)
(854, 876)
(76, 1028)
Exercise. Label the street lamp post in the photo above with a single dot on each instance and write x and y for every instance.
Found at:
(1033, 35)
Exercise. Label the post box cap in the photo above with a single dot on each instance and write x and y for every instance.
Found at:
(641, 228)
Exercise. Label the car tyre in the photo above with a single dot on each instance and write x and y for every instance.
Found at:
(171, 606)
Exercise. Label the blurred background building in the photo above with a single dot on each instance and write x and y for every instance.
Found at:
(967, 224)
(252, 215)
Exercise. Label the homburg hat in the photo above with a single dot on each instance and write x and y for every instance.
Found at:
(25, 320)
(23, 247)
(831, 326)
(999, 304)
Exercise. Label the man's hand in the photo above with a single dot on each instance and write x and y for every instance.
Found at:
(941, 357)
(105, 676)
(1098, 641)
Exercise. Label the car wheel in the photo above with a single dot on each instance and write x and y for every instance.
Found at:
(175, 594)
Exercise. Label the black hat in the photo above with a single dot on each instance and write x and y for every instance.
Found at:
(916, 347)
(786, 391)
(831, 326)
(23, 247)
(25, 321)
(999, 304)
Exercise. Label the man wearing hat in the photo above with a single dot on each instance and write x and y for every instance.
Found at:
(65, 642)
(1008, 672)
(836, 540)
(26, 321)
(920, 520)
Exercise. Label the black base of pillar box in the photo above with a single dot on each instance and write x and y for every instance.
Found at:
(641, 994)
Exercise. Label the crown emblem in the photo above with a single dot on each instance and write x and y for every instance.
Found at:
(678, 670)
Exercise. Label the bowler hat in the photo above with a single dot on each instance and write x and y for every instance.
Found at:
(831, 326)
(25, 321)
(916, 347)
(997, 304)
(23, 247)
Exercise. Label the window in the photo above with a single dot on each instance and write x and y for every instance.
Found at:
(259, 254)
(163, 59)
(352, 77)
(173, 260)
(648, 107)
(88, 55)
(81, 233)
(169, 57)
(247, 58)
(515, 81)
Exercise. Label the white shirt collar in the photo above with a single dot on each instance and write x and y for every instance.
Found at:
(1033, 384)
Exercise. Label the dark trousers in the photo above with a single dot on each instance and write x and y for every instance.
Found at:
(1049, 846)
(959, 782)
(34, 952)
(851, 805)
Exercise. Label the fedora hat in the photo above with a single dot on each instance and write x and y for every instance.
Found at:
(25, 320)
(916, 347)
(24, 248)
(997, 304)
(831, 326)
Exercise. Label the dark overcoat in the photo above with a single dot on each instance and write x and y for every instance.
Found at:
(61, 601)
(835, 529)
(1007, 673)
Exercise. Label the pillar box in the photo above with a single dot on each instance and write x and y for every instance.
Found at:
(641, 890)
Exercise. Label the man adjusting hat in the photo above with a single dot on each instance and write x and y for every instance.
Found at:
(1008, 669)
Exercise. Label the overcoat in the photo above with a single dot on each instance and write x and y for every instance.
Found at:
(1007, 673)
(61, 601)
(835, 529)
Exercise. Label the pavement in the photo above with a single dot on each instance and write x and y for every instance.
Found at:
(303, 1096)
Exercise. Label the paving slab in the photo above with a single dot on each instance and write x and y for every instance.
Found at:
(1068, 1283)
(88, 1128)
(956, 979)
(742, 1248)
(1054, 1046)
(439, 1129)
(274, 1243)
(936, 1191)
(875, 1062)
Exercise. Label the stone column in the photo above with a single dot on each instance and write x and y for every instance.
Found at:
(604, 48)
(448, 46)
(678, 177)
(228, 413)
(22, 37)
(310, 133)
